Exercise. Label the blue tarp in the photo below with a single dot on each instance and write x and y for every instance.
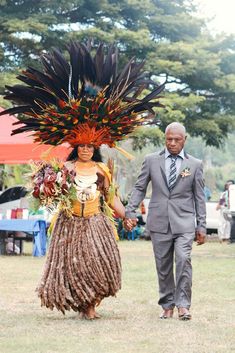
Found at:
(34, 226)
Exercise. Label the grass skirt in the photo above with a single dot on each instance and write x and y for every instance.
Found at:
(83, 264)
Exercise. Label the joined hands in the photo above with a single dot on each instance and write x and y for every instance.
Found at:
(129, 223)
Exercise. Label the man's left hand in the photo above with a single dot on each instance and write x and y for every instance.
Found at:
(200, 237)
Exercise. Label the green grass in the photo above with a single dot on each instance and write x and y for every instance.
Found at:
(130, 321)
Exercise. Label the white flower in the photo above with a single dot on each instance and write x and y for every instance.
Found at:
(59, 177)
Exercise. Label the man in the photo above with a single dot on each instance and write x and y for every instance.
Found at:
(177, 197)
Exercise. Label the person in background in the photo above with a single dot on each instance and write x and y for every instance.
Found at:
(224, 227)
(207, 193)
(11, 248)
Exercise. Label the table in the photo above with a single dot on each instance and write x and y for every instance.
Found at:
(33, 226)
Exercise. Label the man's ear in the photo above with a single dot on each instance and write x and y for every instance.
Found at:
(185, 138)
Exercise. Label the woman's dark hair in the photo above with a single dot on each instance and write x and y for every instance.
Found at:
(228, 183)
(96, 155)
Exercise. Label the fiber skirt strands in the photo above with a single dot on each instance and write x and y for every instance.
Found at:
(83, 264)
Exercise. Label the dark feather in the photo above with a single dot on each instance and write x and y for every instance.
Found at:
(28, 80)
(89, 71)
(76, 67)
(29, 95)
(15, 110)
(49, 69)
(99, 61)
(154, 93)
(60, 65)
(108, 67)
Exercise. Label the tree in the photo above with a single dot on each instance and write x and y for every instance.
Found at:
(198, 68)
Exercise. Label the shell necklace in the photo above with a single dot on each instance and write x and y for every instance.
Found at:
(86, 186)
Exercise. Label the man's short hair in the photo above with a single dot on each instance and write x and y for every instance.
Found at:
(176, 126)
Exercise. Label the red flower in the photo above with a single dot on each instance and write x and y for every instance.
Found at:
(36, 192)
(49, 190)
(64, 189)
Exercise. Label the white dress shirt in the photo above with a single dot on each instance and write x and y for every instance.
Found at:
(178, 162)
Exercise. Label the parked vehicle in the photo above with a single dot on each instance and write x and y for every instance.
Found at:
(212, 217)
(13, 198)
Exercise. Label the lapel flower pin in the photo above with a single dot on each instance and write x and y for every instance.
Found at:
(185, 172)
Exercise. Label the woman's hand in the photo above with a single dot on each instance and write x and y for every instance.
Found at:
(129, 223)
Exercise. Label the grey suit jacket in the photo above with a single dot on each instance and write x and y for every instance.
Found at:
(181, 206)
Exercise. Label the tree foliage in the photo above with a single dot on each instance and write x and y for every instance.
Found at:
(199, 69)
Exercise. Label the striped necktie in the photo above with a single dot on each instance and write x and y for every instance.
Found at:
(172, 175)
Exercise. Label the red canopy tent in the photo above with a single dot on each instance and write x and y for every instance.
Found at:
(20, 149)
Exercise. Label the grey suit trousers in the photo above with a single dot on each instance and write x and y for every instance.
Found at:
(173, 290)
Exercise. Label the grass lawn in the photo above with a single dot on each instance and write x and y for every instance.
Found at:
(130, 321)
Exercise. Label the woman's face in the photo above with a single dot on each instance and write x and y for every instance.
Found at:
(226, 186)
(85, 152)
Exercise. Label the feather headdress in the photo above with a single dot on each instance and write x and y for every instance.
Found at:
(83, 100)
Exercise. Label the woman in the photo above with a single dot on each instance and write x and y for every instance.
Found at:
(83, 263)
(84, 102)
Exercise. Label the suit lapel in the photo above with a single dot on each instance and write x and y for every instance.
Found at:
(162, 167)
(184, 164)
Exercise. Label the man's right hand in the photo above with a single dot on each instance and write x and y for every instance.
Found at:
(200, 237)
(129, 223)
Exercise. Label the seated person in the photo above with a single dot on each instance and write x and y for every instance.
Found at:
(11, 248)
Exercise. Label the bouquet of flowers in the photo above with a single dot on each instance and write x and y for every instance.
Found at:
(52, 185)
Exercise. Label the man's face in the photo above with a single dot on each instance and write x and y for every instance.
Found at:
(175, 141)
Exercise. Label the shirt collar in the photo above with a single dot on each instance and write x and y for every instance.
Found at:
(181, 154)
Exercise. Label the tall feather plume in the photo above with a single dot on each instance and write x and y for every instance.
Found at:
(84, 100)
